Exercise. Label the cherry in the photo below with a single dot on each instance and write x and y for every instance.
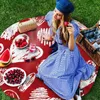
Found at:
(66, 23)
(14, 76)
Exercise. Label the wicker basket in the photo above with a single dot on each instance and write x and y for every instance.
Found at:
(87, 46)
(27, 25)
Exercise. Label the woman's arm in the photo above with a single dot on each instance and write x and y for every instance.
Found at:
(71, 37)
(71, 41)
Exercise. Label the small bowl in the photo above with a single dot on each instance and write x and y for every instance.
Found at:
(10, 70)
(21, 41)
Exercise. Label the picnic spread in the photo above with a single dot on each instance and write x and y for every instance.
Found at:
(21, 53)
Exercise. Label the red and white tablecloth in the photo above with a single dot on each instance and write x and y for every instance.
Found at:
(35, 89)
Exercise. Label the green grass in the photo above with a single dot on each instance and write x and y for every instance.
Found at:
(3, 96)
(86, 11)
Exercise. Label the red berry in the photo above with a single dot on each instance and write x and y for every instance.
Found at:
(66, 23)
(14, 76)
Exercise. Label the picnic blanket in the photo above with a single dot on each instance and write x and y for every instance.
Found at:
(34, 88)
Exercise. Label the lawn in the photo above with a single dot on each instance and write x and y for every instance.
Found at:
(87, 12)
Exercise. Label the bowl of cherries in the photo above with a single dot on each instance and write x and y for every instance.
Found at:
(21, 41)
(14, 76)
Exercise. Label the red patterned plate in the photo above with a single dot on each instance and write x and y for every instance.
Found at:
(12, 94)
(1, 47)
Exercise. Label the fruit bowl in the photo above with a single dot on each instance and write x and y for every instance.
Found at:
(21, 41)
(14, 76)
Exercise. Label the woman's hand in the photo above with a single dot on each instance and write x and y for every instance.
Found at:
(70, 29)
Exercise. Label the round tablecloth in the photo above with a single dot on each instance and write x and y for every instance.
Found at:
(35, 89)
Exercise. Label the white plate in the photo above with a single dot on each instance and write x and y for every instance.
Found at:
(1, 47)
(21, 36)
(14, 85)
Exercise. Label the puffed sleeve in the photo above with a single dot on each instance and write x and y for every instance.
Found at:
(48, 17)
(76, 29)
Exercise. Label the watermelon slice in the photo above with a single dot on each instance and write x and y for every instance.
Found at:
(4, 65)
(5, 57)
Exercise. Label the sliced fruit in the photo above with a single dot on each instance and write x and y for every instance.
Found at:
(5, 57)
(4, 65)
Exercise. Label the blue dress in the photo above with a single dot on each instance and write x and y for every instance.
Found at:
(63, 69)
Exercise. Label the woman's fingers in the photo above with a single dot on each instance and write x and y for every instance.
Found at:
(70, 25)
(70, 28)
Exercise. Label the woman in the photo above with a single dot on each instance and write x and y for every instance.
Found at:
(63, 69)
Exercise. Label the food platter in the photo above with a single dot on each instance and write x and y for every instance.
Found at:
(21, 41)
(14, 76)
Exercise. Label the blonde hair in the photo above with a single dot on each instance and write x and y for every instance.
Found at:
(64, 35)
